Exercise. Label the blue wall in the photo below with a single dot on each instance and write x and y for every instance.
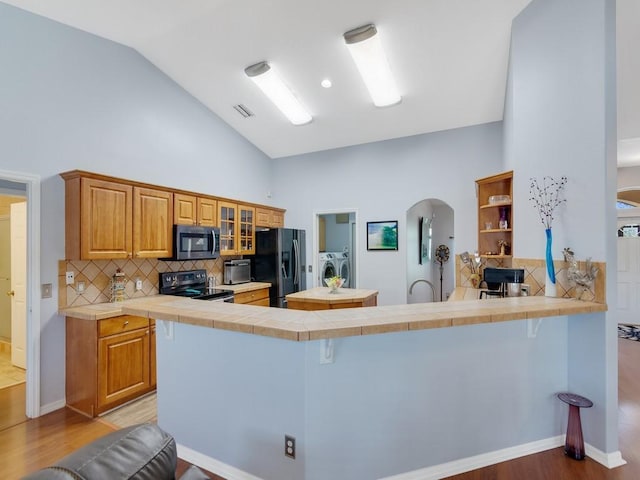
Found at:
(388, 404)
(560, 120)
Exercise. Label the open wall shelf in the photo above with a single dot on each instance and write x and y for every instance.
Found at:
(490, 215)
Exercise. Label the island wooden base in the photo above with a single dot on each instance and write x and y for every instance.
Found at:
(320, 299)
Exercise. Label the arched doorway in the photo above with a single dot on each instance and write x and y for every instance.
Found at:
(429, 225)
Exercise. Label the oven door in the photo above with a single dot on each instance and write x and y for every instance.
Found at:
(195, 243)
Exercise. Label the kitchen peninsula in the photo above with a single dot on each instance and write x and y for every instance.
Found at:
(393, 381)
(321, 298)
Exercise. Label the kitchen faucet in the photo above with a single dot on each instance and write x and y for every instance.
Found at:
(433, 290)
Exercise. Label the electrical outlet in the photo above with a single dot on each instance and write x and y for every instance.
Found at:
(289, 446)
(138, 284)
(69, 278)
(310, 269)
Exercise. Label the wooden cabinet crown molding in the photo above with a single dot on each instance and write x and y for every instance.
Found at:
(71, 174)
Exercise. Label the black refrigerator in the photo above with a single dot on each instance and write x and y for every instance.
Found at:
(280, 260)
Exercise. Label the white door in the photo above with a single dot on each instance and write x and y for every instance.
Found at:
(18, 284)
(628, 280)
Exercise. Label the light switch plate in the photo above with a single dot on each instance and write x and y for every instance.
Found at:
(47, 290)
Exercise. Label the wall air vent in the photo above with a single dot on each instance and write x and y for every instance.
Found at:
(244, 111)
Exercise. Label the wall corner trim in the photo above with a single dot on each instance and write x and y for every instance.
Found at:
(609, 460)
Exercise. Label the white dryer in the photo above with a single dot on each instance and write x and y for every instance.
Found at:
(326, 267)
(343, 267)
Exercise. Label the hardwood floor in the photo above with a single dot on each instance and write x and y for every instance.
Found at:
(39, 442)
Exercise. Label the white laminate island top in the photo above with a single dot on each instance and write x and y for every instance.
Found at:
(299, 325)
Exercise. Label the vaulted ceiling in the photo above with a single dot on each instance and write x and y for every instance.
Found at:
(449, 58)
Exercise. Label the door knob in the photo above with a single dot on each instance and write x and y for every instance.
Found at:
(11, 293)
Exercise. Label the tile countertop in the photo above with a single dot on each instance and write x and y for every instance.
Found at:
(464, 293)
(100, 311)
(300, 325)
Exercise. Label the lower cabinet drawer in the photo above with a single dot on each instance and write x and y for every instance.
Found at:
(252, 296)
(121, 324)
(263, 302)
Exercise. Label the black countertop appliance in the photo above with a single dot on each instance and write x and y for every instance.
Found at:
(280, 260)
(498, 281)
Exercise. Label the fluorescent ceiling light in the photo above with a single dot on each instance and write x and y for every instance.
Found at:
(274, 88)
(367, 53)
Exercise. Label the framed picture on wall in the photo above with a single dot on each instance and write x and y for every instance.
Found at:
(382, 235)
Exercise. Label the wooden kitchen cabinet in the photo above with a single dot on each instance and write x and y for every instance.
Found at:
(98, 219)
(108, 362)
(113, 218)
(152, 223)
(254, 297)
(237, 228)
(194, 210)
(105, 219)
(269, 218)
(490, 233)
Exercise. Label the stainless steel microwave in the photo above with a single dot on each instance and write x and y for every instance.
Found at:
(195, 243)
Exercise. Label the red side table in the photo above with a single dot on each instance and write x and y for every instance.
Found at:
(574, 445)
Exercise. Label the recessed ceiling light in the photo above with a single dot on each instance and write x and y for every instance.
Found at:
(326, 83)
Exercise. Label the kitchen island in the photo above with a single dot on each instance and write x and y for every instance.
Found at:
(367, 392)
(322, 298)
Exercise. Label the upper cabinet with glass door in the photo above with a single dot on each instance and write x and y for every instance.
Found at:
(237, 228)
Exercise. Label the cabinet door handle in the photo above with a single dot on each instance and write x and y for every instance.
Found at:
(126, 322)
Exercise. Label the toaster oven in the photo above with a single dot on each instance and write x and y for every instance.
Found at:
(237, 271)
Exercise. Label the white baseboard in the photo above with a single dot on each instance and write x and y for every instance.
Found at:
(213, 465)
(52, 407)
(479, 461)
(609, 460)
(456, 467)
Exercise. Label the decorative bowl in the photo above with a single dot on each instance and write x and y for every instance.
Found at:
(334, 283)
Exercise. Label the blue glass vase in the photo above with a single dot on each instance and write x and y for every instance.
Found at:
(550, 280)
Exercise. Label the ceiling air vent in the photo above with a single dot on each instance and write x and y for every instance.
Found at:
(244, 111)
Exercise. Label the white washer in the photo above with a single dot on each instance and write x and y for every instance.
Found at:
(343, 267)
(326, 267)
